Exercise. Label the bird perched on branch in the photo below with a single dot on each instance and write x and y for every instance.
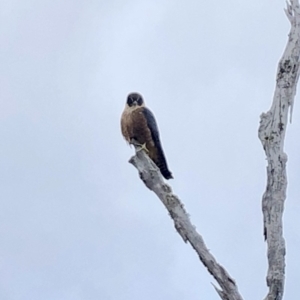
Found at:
(139, 127)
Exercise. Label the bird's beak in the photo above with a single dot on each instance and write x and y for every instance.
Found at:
(134, 103)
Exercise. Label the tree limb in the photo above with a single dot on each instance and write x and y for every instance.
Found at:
(271, 134)
(152, 178)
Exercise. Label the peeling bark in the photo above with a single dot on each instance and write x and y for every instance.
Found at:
(271, 133)
(152, 178)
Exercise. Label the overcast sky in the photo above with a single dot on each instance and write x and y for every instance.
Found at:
(76, 223)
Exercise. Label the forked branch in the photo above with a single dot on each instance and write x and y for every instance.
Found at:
(271, 133)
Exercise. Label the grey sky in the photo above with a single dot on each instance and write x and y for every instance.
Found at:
(75, 220)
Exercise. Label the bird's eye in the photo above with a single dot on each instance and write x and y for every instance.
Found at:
(140, 101)
(129, 102)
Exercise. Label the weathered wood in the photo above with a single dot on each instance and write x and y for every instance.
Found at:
(271, 133)
(152, 178)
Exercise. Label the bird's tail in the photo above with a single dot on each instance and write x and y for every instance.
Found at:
(161, 162)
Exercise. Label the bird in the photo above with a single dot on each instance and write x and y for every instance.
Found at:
(138, 125)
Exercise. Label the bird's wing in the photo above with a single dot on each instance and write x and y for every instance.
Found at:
(152, 125)
(159, 156)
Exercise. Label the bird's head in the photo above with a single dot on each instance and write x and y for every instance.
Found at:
(135, 100)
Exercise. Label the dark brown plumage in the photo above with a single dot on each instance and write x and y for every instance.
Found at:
(138, 123)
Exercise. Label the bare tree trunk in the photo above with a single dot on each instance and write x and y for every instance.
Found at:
(272, 133)
(152, 178)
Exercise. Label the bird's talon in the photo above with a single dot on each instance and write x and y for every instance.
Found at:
(142, 147)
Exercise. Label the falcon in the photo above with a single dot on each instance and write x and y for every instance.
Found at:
(139, 125)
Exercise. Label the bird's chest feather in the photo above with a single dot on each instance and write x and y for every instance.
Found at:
(134, 124)
(131, 120)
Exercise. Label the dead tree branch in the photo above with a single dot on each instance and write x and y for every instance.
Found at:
(271, 133)
(152, 178)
